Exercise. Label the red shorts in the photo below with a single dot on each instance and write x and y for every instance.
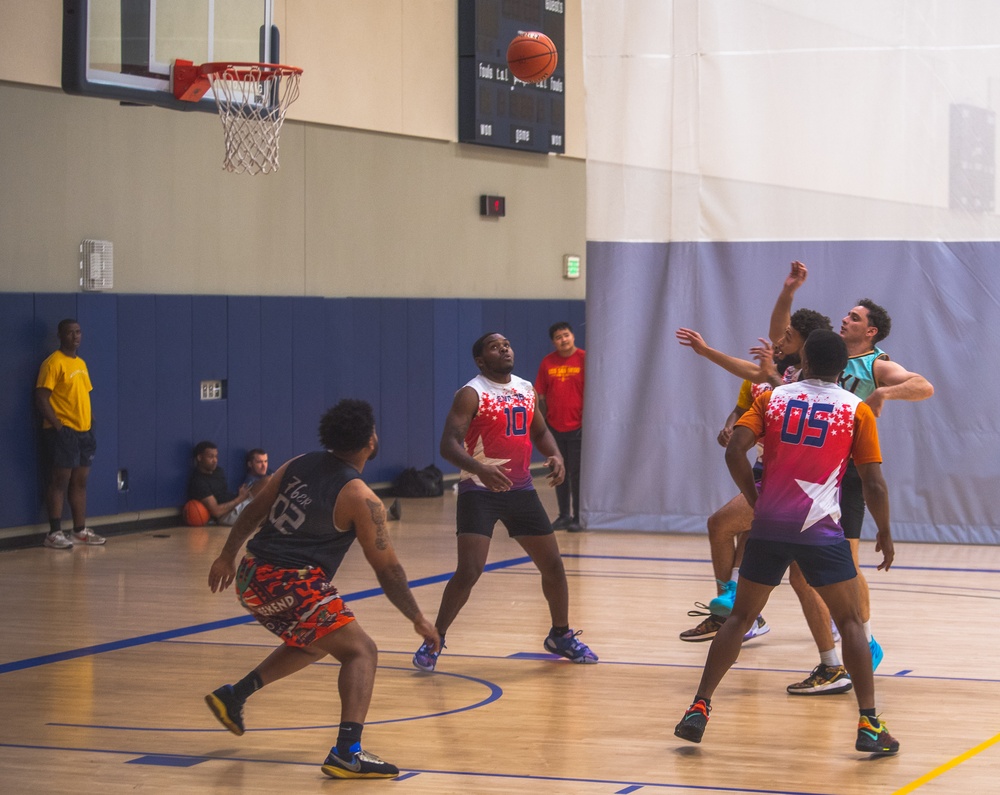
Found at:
(300, 606)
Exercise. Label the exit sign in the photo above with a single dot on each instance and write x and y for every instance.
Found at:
(571, 267)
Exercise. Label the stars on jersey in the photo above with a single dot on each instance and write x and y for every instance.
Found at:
(479, 453)
(842, 420)
(493, 406)
(838, 421)
(776, 408)
(825, 498)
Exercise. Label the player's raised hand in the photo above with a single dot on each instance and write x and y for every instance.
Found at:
(796, 276)
(764, 352)
(691, 339)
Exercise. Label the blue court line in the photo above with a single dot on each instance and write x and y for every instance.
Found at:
(156, 637)
(895, 567)
(694, 666)
(531, 655)
(167, 761)
(410, 772)
(494, 692)
(101, 648)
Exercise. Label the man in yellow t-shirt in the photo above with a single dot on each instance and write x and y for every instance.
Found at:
(62, 396)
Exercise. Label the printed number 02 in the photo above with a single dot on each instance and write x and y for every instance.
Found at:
(286, 516)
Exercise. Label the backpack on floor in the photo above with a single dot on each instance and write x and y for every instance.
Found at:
(426, 482)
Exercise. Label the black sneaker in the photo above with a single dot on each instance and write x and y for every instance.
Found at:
(226, 708)
(825, 680)
(706, 630)
(692, 725)
(562, 522)
(875, 741)
(359, 764)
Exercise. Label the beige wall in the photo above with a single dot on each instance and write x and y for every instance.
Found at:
(348, 213)
(373, 197)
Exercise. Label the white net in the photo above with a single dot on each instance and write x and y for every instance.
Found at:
(252, 100)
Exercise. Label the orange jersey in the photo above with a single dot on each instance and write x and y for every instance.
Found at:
(810, 430)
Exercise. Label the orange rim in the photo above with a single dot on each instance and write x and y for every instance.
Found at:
(240, 70)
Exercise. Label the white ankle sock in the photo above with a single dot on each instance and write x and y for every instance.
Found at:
(830, 657)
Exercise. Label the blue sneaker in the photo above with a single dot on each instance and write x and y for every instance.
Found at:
(425, 659)
(722, 605)
(569, 647)
(877, 654)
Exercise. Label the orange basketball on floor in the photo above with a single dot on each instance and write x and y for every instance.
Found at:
(532, 57)
(195, 513)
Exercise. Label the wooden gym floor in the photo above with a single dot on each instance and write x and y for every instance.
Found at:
(108, 651)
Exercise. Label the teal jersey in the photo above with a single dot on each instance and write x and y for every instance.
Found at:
(858, 377)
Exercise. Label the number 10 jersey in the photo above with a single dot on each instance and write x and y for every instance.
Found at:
(500, 432)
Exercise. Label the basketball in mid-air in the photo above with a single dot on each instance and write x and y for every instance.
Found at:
(532, 57)
(195, 514)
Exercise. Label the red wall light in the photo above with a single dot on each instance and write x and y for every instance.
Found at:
(494, 206)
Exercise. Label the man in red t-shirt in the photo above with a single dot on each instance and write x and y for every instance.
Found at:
(560, 393)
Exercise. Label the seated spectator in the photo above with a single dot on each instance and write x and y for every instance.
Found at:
(208, 485)
(257, 472)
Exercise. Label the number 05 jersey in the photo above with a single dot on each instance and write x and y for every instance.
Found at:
(299, 530)
(500, 431)
(810, 429)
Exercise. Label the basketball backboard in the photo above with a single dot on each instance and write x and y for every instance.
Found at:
(123, 49)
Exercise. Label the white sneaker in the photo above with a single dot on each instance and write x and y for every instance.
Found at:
(58, 540)
(88, 537)
(758, 628)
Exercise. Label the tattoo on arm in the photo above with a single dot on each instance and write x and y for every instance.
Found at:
(397, 590)
(378, 517)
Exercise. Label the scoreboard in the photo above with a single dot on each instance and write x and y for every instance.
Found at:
(494, 108)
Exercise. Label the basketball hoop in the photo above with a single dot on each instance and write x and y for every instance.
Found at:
(252, 99)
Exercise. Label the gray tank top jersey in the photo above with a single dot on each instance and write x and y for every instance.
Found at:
(299, 530)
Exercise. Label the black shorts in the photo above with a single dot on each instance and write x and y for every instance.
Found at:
(521, 512)
(766, 562)
(68, 448)
(852, 502)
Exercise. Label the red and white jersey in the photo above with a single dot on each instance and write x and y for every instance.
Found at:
(787, 377)
(500, 432)
(750, 392)
(810, 429)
